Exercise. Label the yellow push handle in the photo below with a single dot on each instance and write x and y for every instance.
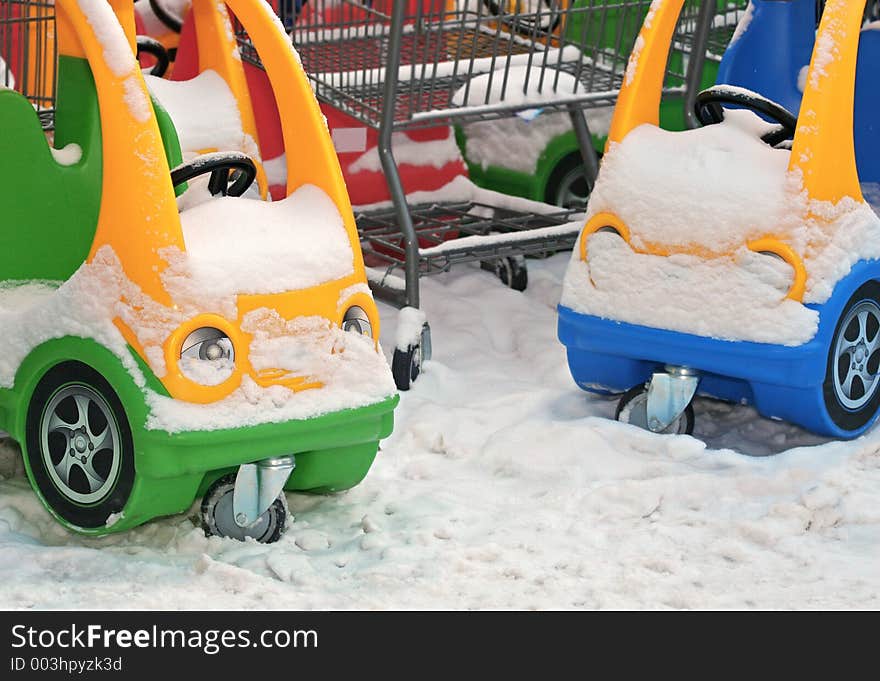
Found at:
(824, 148)
(639, 100)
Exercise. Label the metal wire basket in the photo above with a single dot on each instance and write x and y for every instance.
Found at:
(28, 53)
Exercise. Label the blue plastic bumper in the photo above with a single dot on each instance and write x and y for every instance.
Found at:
(780, 381)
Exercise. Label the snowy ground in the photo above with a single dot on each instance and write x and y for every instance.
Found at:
(504, 486)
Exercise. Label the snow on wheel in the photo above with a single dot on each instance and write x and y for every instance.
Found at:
(851, 389)
(513, 272)
(633, 409)
(218, 518)
(79, 446)
(413, 347)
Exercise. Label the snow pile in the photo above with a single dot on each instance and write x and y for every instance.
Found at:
(488, 143)
(236, 246)
(716, 186)
(709, 192)
(522, 85)
(32, 313)
(204, 112)
(433, 153)
(346, 365)
(740, 298)
(504, 486)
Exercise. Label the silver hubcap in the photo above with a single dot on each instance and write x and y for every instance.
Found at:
(574, 191)
(80, 444)
(855, 364)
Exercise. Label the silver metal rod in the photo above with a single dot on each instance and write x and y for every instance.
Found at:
(585, 143)
(697, 60)
(386, 156)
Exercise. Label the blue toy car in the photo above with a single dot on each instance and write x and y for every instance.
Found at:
(740, 260)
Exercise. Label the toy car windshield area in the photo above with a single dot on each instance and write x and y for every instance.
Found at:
(738, 260)
(154, 351)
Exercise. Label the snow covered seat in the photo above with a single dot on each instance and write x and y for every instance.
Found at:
(205, 114)
(239, 247)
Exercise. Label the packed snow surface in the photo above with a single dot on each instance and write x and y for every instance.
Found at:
(504, 486)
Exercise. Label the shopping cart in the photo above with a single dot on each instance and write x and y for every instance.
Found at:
(27, 53)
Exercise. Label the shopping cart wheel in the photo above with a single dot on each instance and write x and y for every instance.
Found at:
(406, 364)
(513, 272)
(633, 409)
(218, 519)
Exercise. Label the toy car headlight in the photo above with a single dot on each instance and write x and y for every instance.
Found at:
(207, 356)
(357, 321)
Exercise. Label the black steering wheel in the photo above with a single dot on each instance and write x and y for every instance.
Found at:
(147, 45)
(710, 110)
(219, 164)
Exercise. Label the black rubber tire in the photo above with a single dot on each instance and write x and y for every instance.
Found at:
(225, 485)
(637, 390)
(842, 417)
(95, 515)
(405, 367)
(565, 166)
(513, 273)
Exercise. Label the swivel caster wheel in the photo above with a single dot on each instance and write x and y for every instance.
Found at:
(218, 518)
(633, 409)
(512, 271)
(406, 364)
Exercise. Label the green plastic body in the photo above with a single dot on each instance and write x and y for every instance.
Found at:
(333, 452)
(50, 217)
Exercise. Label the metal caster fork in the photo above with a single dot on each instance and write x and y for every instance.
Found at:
(663, 405)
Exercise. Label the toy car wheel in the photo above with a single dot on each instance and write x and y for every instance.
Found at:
(513, 273)
(633, 409)
(851, 389)
(79, 446)
(406, 365)
(218, 518)
(568, 186)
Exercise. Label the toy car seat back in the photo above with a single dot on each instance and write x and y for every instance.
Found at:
(209, 44)
(50, 220)
(771, 52)
(867, 106)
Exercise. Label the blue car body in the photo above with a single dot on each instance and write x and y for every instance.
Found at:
(782, 382)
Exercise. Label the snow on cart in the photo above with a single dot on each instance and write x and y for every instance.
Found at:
(156, 351)
(739, 260)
